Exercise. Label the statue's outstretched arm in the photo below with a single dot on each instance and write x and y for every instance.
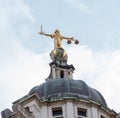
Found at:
(68, 38)
(71, 39)
(42, 33)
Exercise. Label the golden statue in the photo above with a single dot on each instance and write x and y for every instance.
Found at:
(58, 52)
(58, 38)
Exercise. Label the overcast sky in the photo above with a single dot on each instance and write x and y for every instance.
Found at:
(24, 54)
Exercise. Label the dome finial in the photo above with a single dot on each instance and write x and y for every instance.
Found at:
(59, 66)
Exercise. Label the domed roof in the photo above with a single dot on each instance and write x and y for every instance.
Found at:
(67, 88)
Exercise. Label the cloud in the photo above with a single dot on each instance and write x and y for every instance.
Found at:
(13, 14)
(24, 70)
(15, 9)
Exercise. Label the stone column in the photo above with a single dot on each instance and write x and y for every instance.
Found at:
(44, 113)
(71, 73)
(36, 111)
(94, 112)
(69, 109)
(53, 72)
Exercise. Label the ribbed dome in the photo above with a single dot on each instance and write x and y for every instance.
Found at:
(67, 88)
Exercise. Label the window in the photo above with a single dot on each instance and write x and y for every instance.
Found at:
(62, 74)
(81, 112)
(57, 112)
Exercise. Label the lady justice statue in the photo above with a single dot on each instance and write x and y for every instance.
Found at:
(58, 55)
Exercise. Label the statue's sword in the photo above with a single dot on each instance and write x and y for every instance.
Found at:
(41, 28)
